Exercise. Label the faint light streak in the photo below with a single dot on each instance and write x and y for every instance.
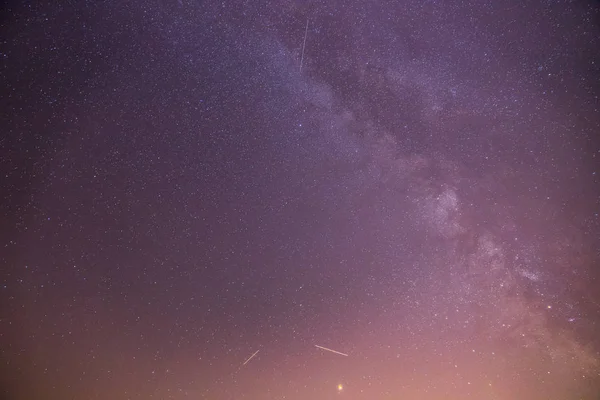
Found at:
(333, 351)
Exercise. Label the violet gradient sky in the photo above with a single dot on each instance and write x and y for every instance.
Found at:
(423, 196)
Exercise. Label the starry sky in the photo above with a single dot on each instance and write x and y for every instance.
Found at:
(196, 194)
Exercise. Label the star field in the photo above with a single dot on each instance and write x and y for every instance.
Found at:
(187, 214)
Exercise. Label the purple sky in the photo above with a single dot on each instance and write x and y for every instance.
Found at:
(177, 195)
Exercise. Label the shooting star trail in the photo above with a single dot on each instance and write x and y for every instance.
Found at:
(304, 44)
(251, 357)
(333, 351)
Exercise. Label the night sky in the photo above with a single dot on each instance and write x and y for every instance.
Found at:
(412, 184)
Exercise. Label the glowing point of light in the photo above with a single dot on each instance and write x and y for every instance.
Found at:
(340, 387)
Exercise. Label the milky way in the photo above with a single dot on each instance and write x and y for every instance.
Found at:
(291, 200)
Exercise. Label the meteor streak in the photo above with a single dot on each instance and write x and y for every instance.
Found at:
(251, 357)
(304, 44)
(333, 351)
